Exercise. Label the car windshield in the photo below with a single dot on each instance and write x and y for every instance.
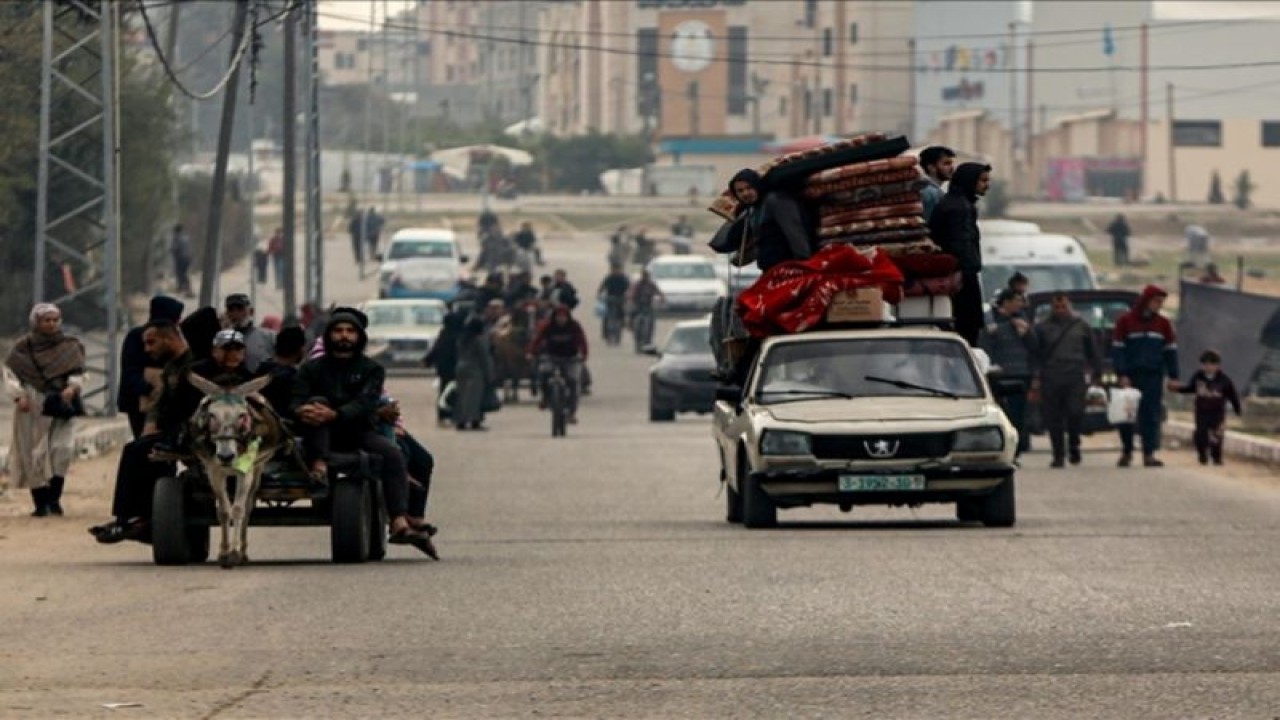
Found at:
(1101, 314)
(879, 367)
(405, 249)
(405, 314)
(682, 271)
(1042, 278)
(689, 341)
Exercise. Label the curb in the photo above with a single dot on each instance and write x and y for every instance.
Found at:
(92, 438)
(1236, 444)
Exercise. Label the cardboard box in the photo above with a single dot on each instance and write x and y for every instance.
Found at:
(926, 307)
(860, 305)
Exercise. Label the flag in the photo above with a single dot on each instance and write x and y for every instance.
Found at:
(1108, 42)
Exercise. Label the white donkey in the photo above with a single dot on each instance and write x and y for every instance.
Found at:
(233, 439)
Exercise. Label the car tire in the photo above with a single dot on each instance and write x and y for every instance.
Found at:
(170, 539)
(657, 414)
(969, 510)
(758, 510)
(733, 500)
(999, 509)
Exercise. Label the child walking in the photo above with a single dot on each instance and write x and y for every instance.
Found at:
(1213, 390)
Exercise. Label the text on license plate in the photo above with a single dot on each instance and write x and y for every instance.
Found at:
(874, 483)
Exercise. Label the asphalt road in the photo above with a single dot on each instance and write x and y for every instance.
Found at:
(594, 576)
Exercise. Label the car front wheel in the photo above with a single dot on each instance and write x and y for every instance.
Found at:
(999, 509)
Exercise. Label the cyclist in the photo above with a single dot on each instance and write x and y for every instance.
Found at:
(560, 343)
(641, 297)
(613, 290)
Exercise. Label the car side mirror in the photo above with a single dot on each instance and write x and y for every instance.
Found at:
(651, 350)
(729, 393)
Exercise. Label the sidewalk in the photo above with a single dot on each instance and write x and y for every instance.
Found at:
(1236, 445)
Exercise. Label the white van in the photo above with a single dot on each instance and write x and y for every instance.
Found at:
(422, 262)
(1050, 262)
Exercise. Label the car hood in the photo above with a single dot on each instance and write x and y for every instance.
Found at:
(404, 331)
(686, 362)
(424, 267)
(875, 409)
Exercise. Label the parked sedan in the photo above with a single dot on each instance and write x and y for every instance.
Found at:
(688, 283)
(681, 379)
(401, 330)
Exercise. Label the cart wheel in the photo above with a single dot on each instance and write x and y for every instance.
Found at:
(170, 536)
(349, 524)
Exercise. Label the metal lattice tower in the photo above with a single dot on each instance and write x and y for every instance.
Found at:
(314, 193)
(78, 209)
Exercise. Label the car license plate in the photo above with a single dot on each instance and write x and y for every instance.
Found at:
(880, 483)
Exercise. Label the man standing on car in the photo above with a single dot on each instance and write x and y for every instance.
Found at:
(954, 227)
(938, 164)
(1065, 353)
(1008, 341)
(1144, 352)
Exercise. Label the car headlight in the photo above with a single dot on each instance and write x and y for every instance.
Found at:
(786, 442)
(983, 439)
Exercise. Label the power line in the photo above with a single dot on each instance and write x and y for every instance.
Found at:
(173, 77)
(825, 65)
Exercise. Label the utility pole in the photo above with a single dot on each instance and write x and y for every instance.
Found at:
(1013, 102)
(290, 162)
(213, 230)
(1144, 114)
(315, 194)
(693, 108)
(1173, 165)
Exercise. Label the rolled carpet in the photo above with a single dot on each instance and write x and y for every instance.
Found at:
(855, 215)
(867, 226)
(900, 175)
(845, 172)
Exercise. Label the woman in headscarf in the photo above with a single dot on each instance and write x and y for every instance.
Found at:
(475, 373)
(44, 371)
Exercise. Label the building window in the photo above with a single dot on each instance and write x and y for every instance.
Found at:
(782, 106)
(1197, 133)
(827, 102)
(737, 70)
(810, 13)
(853, 33)
(808, 104)
(1270, 133)
(828, 43)
(853, 94)
(647, 96)
(362, 45)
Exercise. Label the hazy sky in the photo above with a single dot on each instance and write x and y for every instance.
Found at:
(358, 12)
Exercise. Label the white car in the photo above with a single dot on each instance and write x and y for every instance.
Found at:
(401, 331)
(737, 278)
(688, 283)
(422, 263)
(895, 416)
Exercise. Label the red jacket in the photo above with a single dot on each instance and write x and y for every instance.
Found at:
(1144, 342)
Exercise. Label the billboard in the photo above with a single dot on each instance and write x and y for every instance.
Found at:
(693, 77)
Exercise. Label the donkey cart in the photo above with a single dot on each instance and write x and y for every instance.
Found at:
(350, 504)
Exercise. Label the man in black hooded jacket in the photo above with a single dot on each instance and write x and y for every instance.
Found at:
(954, 227)
(336, 398)
(134, 362)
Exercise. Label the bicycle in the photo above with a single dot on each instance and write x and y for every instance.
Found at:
(556, 396)
(613, 321)
(642, 328)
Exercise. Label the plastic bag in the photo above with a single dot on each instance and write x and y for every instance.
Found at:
(1122, 408)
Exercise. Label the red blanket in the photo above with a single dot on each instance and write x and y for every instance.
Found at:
(793, 296)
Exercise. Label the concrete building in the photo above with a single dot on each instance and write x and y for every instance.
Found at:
(508, 56)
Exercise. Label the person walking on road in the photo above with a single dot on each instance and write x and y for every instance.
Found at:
(180, 249)
(43, 375)
(275, 253)
(1119, 232)
(443, 356)
(1066, 360)
(475, 373)
(954, 227)
(938, 164)
(355, 227)
(1144, 353)
(373, 224)
(1009, 343)
(1213, 390)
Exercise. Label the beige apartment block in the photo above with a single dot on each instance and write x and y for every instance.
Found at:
(1204, 146)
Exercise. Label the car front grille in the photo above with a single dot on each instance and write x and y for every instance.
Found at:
(881, 447)
(407, 345)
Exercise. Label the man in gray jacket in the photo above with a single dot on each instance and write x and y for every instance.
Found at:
(1065, 353)
(260, 343)
(1007, 340)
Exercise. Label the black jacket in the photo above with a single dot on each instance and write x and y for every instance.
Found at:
(279, 392)
(954, 223)
(443, 355)
(784, 230)
(134, 359)
(352, 386)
